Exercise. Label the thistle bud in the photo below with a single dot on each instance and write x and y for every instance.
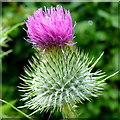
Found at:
(57, 79)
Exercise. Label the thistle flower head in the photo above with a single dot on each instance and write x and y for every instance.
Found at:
(57, 79)
(52, 27)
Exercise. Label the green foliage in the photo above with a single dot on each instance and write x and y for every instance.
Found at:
(3, 43)
(4, 39)
(96, 31)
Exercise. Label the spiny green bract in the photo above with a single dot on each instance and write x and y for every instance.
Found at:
(61, 76)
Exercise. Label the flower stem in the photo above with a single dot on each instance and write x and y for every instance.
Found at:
(68, 111)
(16, 109)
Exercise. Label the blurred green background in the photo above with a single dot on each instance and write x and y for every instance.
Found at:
(96, 31)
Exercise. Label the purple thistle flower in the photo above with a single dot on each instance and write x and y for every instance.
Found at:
(52, 27)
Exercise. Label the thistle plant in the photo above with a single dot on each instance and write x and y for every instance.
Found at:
(62, 76)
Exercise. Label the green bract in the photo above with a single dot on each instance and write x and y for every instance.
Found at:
(62, 76)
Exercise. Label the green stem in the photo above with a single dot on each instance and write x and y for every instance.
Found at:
(68, 111)
(16, 109)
